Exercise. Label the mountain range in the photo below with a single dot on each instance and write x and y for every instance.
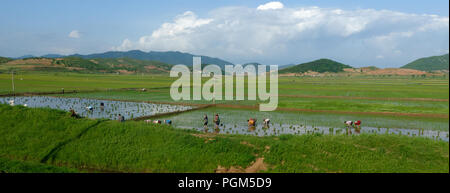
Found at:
(77, 64)
(140, 61)
(170, 57)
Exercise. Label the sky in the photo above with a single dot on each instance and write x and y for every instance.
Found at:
(381, 33)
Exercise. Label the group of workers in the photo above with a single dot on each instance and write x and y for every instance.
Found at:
(90, 108)
(353, 124)
(216, 121)
(251, 122)
(168, 122)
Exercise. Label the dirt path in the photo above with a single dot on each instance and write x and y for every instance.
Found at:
(366, 98)
(347, 97)
(256, 166)
(250, 107)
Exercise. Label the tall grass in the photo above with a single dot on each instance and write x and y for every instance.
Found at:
(32, 133)
(14, 166)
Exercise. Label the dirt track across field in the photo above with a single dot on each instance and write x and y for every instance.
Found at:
(430, 115)
(366, 98)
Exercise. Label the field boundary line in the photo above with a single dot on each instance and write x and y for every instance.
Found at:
(170, 113)
(73, 91)
(366, 98)
(137, 101)
(252, 107)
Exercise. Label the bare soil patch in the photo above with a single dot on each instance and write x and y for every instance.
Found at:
(256, 166)
(396, 71)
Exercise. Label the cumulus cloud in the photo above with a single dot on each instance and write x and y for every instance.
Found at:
(292, 35)
(74, 34)
(271, 5)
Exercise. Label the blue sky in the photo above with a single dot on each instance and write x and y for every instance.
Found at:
(216, 28)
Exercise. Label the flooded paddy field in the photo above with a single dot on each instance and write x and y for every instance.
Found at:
(234, 121)
(110, 109)
(277, 129)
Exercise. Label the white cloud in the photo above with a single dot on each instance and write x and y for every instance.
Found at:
(271, 5)
(126, 45)
(74, 34)
(300, 34)
(169, 34)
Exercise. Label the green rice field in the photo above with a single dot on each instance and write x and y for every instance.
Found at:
(49, 140)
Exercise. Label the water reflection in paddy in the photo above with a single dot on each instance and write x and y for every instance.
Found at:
(110, 110)
(277, 129)
(131, 110)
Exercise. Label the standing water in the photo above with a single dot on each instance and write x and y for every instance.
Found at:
(92, 108)
(278, 129)
(111, 109)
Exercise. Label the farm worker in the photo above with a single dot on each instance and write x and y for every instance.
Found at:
(217, 120)
(251, 122)
(169, 122)
(358, 126)
(121, 118)
(266, 122)
(358, 123)
(102, 106)
(348, 123)
(73, 113)
(205, 121)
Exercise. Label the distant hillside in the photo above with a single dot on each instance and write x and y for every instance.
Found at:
(255, 64)
(430, 63)
(25, 56)
(321, 65)
(368, 68)
(283, 66)
(77, 64)
(165, 57)
(52, 56)
(4, 59)
(134, 65)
